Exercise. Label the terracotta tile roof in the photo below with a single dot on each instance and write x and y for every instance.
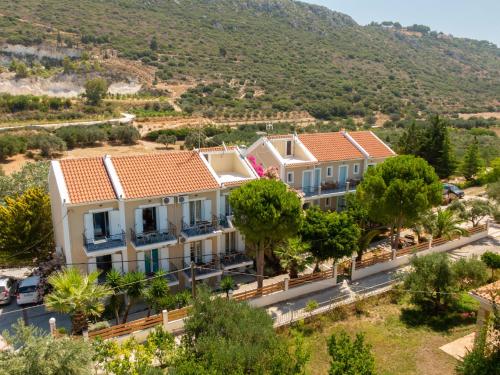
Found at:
(87, 180)
(489, 292)
(280, 136)
(371, 144)
(217, 149)
(330, 146)
(163, 174)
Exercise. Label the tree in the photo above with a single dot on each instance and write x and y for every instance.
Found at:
(229, 337)
(331, 235)
(469, 273)
(21, 70)
(153, 45)
(227, 284)
(493, 191)
(473, 210)
(78, 295)
(266, 212)
(95, 90)
(195, 139)
(133, 285)
(42, 354)
(350, 357)
(26, 225)
(114, 281)
(492, 261)
(444, 224)
(11, 145)
(293, 256)
(126, 134)
(167, 139)
(432, 280)
(156, 293)
(472, 161)
(397, 191)
(31, 175)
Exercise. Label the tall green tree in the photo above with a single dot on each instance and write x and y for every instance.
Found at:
(266, 212)
(31, 175)
(350, 357)
(133, 287)
(472, 161)
(26, 225)
(156, 293)
(229, 337)
(437, 148)
(78, 295)
(331, 235)
(397, 191)
(473, 210)
(37, 352)
(95, 90)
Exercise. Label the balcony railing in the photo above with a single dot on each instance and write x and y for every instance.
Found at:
(330, 188)
(105, 243)
(154, 237)
(200, 228)
(203, 269)
(224, 221)
(234, 258)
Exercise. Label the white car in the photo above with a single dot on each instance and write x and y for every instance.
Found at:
(30, 291)
(7, 290)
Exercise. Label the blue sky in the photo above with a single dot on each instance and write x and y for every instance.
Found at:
(476, 19)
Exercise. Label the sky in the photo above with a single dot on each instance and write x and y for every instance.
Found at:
(475, 19)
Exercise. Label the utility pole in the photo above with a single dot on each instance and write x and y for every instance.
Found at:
(193, 281)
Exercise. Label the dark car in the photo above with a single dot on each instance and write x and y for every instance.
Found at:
(452, 189)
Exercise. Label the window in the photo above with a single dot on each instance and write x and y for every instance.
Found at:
(196, 252)
(101, 225)
(289, 177)
(230, 243)
(329, 171)
(194, 212)
(371, 166)
(356, 169)
(327, 202)
(288, 148)
(149, 219)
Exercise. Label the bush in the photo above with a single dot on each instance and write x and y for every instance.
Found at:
(81, 136)
(47, 143)
(352, 357)
(11, 145)
(126, 134)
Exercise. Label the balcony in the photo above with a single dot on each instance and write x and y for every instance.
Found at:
(200, 228)
(235, 260)
(105, 243)
(225, 222)
(203, 270)
(330, 188)
(154, 237)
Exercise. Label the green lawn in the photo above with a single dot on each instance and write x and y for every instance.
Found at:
(398, 348)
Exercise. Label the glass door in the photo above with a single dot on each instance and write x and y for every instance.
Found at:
(151, 261)
(342, 174)
(307, 182)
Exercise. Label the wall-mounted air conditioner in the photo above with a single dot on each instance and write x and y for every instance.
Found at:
(183, 198)
(168, 200)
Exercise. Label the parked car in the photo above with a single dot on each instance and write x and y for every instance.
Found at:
(30, 290)
(455, 190)
(7, 290)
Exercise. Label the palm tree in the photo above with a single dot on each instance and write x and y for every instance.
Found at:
(133, 285)
(444, 224)
(114, 280)
(293, 256)
(227, 284)
(156, 293)
(78, 295)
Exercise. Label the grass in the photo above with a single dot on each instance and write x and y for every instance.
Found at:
(399, 348)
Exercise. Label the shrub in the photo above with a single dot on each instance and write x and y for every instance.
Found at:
(47, 143)
(81, 136)
(126, 134)
(11, 145)
(352, 357)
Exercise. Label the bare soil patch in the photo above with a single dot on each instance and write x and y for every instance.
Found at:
(467, 116)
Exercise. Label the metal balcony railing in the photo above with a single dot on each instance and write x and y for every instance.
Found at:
(105, 243)
(200, 228)
(235, 257)
(330, 188)
(153, 237)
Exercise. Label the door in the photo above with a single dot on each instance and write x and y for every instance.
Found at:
(104, 265)
(194, 212)
(342, 174)
(317, 178)
(151, 261)
(307, 182)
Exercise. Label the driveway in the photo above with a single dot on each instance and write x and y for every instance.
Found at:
(36, 315)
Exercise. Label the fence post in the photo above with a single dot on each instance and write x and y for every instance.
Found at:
(164, 315)
(353, 266)
(430, 242)
(85, 334)
(285, 285)
(52, 326)
(394, 254)
(335, 272)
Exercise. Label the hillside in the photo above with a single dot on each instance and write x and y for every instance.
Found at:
(271, 55)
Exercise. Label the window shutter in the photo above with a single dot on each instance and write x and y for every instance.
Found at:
(162, 223)
(207, 210)
(114, 222)
(222, 244)
(207, 251)
(240, 242)
(223, 199)
(89, 226)
(164, 261)
(116, 260)
(138, 221)
(140, 262)
(187, 255)
(185, 213)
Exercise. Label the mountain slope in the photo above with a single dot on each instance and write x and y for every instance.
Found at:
(276, 54)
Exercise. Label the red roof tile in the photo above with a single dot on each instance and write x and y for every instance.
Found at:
(371, 144)
(330, 146)
(87, 180)
(163, 174)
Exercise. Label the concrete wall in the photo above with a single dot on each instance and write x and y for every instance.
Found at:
(405, 259)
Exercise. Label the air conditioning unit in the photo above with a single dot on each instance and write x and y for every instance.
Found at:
(183, 198)
(168, 200)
